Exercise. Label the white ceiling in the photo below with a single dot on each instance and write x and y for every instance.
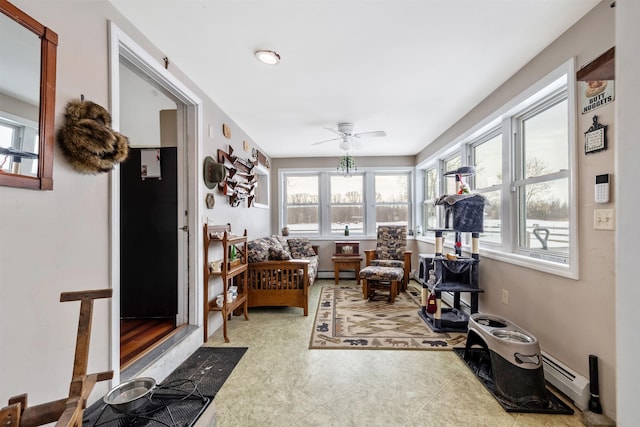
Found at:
(409, 67)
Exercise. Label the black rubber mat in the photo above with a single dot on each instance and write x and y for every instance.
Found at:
(181, 398)
(482, 371)
(208, 368)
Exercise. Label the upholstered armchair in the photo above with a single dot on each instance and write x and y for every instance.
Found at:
(391, 250)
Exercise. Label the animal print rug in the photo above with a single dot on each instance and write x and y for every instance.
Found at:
(344, 320)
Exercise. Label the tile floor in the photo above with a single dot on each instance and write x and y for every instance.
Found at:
(280, 382)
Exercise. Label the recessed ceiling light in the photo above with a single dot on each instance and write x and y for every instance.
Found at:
(268, 57)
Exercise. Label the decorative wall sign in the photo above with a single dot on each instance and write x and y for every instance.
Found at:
(595, 94)
(226, 131)
(595, 137)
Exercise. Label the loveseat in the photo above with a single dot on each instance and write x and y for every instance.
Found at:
(281, 271)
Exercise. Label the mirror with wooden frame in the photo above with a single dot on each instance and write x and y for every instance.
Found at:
(27, 100)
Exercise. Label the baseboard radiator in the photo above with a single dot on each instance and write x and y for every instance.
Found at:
(567, 381)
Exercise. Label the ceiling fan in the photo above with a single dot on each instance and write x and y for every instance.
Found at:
(349, 139)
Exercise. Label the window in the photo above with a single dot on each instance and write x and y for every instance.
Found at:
(262, 187)
(347, 203)
(392, 199)
(524, 157)
(302, 207)
(20, 136)
(323, 203)
(450, 164)
(486, 155)
(541, 179)
(430, 219)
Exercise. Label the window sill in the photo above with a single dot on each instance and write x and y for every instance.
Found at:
(554, 268)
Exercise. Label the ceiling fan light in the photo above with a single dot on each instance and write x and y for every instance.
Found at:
(268, 57)
(345, 145)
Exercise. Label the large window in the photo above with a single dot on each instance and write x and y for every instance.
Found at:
(541, 178)
(303, 203)
(450, 164)
(347, 203)
(392, 199)
(324, 203)
(430, 219)
(486, 155)
(523, 157)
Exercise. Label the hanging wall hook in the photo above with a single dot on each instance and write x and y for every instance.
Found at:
(166, 62)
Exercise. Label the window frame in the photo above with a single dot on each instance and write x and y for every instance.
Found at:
(562, 79)
(263, 184)
(331, 205)
(324, 174)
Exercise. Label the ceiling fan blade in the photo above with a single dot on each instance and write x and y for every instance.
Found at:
(337, 132)
(327, 140)
(371, 134)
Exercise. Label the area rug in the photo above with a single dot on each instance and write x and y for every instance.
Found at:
(345, 320)
(179, 399)
(480, 367)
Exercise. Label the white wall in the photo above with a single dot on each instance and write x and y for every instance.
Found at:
(58, 241)
(627, 150)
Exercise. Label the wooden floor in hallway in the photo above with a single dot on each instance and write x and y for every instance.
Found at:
(138, 336)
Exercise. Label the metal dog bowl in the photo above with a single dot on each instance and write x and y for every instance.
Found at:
(129, 395)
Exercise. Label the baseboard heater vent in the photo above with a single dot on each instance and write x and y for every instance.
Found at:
(571, 384)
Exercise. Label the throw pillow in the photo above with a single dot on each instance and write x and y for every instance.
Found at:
(258, 250)
(279, 254)
(283, 244)
(301, 248)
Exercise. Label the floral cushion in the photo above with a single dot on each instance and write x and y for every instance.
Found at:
(301, 248)
(258, 250)
(278, 253)
(388, 263)
(392, 242)
(285, 246)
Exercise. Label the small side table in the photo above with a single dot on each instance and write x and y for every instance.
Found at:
(346, 262)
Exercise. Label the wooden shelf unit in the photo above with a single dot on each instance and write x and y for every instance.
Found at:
(221, 234)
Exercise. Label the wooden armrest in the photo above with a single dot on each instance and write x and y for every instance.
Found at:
(369, 254)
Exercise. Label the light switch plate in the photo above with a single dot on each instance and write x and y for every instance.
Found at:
(604, 219)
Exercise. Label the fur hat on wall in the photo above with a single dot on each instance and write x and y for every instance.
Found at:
(87, 140)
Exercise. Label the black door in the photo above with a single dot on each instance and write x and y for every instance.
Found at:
(149, 239)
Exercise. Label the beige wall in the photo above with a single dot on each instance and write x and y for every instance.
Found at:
(570, 318)
(627, 151)
(58, 241)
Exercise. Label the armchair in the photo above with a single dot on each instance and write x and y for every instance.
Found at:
(391, 251)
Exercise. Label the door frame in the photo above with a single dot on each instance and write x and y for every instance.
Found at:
(190, 132)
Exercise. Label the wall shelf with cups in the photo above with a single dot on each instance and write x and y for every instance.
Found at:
(232, 268)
